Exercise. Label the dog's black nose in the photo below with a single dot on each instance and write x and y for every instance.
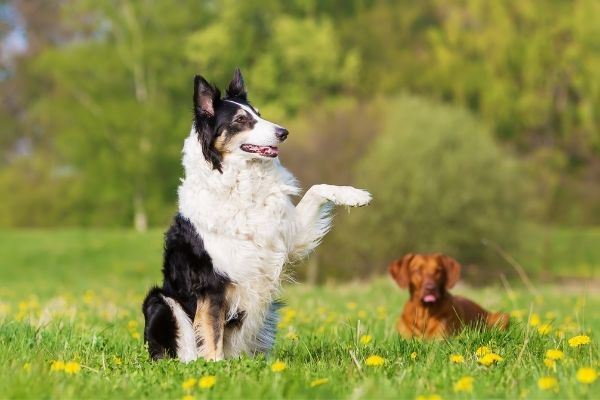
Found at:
(281, 133)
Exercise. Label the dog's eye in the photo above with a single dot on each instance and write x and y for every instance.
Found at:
(241, 119)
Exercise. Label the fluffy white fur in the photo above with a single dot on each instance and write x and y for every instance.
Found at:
(186, 340)
(251, 228)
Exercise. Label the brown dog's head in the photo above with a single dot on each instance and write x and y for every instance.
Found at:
(428, 276)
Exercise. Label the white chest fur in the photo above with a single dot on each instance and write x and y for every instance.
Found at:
(248, 224)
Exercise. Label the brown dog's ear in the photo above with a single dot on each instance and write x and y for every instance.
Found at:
(452, 270)
(399, 270)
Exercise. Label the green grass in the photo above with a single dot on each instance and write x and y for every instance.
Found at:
(76, 295)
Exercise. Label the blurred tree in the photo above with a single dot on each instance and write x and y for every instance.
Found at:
(439, 183)
(290, 62)
(114, 98)
(101, 86)
(528, 68)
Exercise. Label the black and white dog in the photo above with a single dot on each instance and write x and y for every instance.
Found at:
(235, 230)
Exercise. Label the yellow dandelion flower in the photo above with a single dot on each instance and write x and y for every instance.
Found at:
(550, 315)
(555, 354)
(482, 351)
(365, 339)
(88, 297)
(464, 384)
(206, 382)
(289, 313)
(550, 363)
(518, 314)
(188, 397)
(490, 359)
(132, 324)
(547, 383)
(428, 397)
(57, 365)
(544, 329)
(292, 335)
(27, 367)
(351, 305)
(457, 359)
(135, 335)
(319, 382)
(534, 320)
(587, 375)
(188, 383)
(413, 355)
(117, 360)
(569, 326)
(72, 367)
(278, 366)
(362, 314)
(579, 340)
(374, 361)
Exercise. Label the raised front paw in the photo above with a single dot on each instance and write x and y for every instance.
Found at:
(345, 195)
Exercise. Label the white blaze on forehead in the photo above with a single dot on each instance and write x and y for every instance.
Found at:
(249, 110)
(263, 132)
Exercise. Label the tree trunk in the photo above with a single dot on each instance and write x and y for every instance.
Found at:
(312, 269)
(140, 221)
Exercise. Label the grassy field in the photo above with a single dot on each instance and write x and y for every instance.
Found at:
(74, 296)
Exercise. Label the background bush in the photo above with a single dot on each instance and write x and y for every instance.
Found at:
(440, 183)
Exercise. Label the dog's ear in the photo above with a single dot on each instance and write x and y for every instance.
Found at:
(452, 270)
(399, 270)
(206, 99)
(236, 87)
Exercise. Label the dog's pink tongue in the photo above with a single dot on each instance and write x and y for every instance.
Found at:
(269, 151)
(429, 298)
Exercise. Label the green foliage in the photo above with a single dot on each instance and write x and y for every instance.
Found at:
(439, 183)
(32, 182)
(116, 108)
(528, 69)
(289, 61)
(104, 89)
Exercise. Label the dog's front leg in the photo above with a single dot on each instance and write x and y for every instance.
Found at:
(314, 213)
(209, 324)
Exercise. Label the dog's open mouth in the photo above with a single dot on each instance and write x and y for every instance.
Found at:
(266, 151)
(429, 298)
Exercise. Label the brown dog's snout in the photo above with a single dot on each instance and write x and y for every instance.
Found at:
(430, 285)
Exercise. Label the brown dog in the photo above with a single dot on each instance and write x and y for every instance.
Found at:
(431, 310)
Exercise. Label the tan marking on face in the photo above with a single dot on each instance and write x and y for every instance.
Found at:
(426, 268)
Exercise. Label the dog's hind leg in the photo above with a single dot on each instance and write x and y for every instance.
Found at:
(314, 213)
(209, 326)
(168, 330)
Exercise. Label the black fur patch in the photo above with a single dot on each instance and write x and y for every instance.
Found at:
(188, 275)
(214, 117)
(206, 100)
(160, 330)
(236, 321)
